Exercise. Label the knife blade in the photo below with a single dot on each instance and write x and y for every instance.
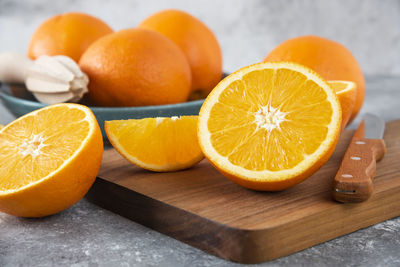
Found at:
(353, 181)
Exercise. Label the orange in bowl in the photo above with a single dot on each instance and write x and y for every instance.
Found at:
(197, 42)
(68, 34)
(136, 67)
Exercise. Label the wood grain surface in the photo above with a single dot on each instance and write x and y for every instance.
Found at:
(202, 208)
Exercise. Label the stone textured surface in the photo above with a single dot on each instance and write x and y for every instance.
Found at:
(86, 235)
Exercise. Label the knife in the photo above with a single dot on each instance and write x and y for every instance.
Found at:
(353, 181)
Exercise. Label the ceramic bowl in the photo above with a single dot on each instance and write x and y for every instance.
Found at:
(20, 101)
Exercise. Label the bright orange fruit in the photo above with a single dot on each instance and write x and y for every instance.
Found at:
(346, 91)
(330, 59)
(197, 42)
(157, 144)
(48, 160)
(136, 67)
(269, 126)
(68, 34)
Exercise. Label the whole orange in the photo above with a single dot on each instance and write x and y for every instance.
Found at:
(68, 34)
(198, 43)
(136, 67)
(330, 59)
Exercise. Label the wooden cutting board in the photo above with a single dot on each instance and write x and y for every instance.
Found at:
(202, 208)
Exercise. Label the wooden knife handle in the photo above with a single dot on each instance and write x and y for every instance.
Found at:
(353, 181)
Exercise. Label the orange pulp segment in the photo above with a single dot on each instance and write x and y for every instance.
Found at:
(158, 144)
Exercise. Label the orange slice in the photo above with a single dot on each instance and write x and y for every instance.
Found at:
(49, 158)
(157, 144)
(346, 91)
(269, 126)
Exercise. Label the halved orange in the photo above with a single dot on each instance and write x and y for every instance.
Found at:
(49, 158)
(158, 144)
(269, 126)
(346, 91)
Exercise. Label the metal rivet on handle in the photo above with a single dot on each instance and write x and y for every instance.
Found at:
(355, 158)
(360, 143)
(347, 176)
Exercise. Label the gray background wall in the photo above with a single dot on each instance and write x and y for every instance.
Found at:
(246, 29)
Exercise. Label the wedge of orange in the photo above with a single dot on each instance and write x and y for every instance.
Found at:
(48, 160)
(269, 126)
(346, 91)
(157, 144)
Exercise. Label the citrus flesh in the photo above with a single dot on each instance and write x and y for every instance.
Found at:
(158, 144)
(269, 126)
(48, 160)
(346, 92)
(330, 59)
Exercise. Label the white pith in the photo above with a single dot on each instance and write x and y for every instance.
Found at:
(174, 118)
(32, 146)
(159, 120)
(349, 85)
(269, 118)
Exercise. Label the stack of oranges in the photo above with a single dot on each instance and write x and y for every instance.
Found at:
(157, 63)
(49, 158)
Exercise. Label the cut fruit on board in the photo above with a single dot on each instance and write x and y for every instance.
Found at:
(158, 144)
(49, 159)
(269, 126)
(346, 91)
(202, 208)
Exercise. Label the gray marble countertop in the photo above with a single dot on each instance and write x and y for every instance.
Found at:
(86, 235)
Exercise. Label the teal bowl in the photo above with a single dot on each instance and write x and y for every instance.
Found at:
(19, 102)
